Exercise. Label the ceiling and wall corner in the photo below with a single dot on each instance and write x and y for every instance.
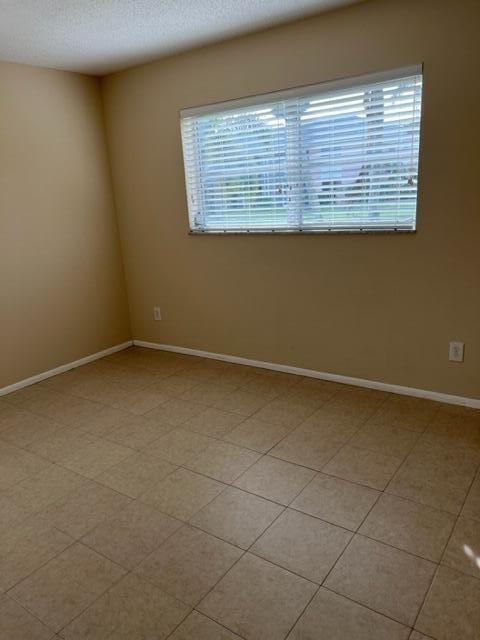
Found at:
(100, 36)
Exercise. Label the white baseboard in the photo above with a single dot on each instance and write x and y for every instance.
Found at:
(64, 367)
(322, 375)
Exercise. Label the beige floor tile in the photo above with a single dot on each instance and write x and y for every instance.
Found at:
(337, 424)
(463, 550)
(141, 401)
(348, 405)
(257, 435)
(203, 371)
(11, 514)
(237, 517)
(27, 547)
(131, 534)
(432, 452)
(62, 444)
(176, 411)
(98, 389)
(336, 501)
(415, 635)
(179, 446)
(457, 409)
(182, 493)
(238, 375)
(163, 362)
(401, 413)
(136, 474)
(257, 599)
(213, 422)
(70, 410)
(451, 610)
(34, 396)
(241, 402)
(207, 393)
(134, 379)
(97, 457)
(199, 627)
(360, 397)
(283, 377)
(285, 412)
(456, 430)
(28, 428)
(332, 617)
(385, 579)
(11, 415)
(275, 479)
(125, 358)
(17, 465)
(131, 610)
(65, 586)
(308, 447)
(310, 393)
(435, 476)
(104, 421)
(31, 395)
(223, 461)
(366, 467)
(433, 439)
(38, 491)
(138, 432)
(17, 624)
(430, 486)
(410, 526)
(268, 387)
(174, 385)
(428, 407)
(471, 508)
(390, 441)
(189, 564)
(79, 512)
(302, 544)
(324, 386)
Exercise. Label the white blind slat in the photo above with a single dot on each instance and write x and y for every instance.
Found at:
(318, 159)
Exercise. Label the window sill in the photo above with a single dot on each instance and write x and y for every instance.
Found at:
(288, 232)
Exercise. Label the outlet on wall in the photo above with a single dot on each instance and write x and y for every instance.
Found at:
(157, 314)
(455, 353)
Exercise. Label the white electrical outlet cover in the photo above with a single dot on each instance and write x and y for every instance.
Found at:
(456, 351)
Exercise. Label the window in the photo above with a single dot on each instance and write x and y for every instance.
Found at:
(340, 156)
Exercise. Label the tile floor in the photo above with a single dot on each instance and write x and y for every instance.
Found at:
(151, 495)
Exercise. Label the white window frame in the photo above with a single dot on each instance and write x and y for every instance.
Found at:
(303, 92)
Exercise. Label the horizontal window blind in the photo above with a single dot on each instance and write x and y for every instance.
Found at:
(338, 156)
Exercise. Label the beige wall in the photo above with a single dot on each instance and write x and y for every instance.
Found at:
(382, 307)
(62, 293)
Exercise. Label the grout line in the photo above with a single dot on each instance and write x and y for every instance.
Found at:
(303, 611)
(366, 606)
(34, 615)
(444, 550)
(205, 616)
(72, 544)
(41, 566)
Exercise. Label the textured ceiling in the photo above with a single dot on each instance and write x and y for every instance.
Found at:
(100, 36)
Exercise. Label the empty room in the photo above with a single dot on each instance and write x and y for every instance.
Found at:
(239, 320)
